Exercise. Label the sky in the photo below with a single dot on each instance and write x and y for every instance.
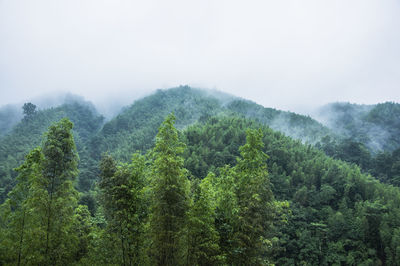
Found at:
(292, 55)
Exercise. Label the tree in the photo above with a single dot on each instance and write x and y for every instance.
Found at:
(255, 200)
(227, 214)
(41, 206)
(83, 227)
(29, 109)
(16, 213)
(203, 246)
(52, 199)
(124, 203)
(169, 197)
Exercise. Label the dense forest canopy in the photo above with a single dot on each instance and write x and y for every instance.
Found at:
(221, 181)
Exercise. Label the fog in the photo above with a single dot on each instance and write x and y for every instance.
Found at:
(291, 55)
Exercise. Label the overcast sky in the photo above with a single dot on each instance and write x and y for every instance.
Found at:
(285, 54)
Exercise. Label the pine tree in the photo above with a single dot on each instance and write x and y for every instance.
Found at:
(169, 197)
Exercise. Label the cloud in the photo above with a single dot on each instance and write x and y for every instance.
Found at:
(284, 54)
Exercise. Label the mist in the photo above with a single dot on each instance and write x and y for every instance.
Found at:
(290, 55)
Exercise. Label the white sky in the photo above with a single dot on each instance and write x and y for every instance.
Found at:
(284, 54)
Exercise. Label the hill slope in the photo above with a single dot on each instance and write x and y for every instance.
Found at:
(376, 126)
(135, 127)
(28, 134)
(338, 215)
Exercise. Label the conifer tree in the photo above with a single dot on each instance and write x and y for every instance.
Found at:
(169, 197)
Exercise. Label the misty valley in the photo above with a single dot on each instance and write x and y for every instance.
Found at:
(190, 176)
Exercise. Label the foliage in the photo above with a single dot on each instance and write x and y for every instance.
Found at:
(40, 209)
(29, 134)
(29, 110)
(330, 215)
(170, 202)
(224, 190)
(375, 126)
(203, 238)
(125, 206)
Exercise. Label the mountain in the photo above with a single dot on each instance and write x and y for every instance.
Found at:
(28, 133)
(330, 211)
(344, 131)
(136, 126)
(338, 215)
(291, 124)
(376, 126)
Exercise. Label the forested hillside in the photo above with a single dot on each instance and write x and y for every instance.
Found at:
(214, 183)
(29, 133)
(291, 124)
(338, 215)
(206, 197)
(137, 124)
(369, 137)
(376, 126)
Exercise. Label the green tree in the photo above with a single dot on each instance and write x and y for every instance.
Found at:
(83, 227)
(203, 246)
(15, 212)
(255, 200)
(52, 199)
(227, 213)
(124, 202)
(169, 197)
(29, 109)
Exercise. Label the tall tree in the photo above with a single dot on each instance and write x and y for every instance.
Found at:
(41, 206)
(203, 238)
(255, 200)
(124, 203)
(29, 109)
(15, 212)
(227, 214)
(170, 197)
(53, 198)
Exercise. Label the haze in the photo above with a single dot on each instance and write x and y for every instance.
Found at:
(291, 55)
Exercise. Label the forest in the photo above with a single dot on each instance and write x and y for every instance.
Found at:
(194, 177)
